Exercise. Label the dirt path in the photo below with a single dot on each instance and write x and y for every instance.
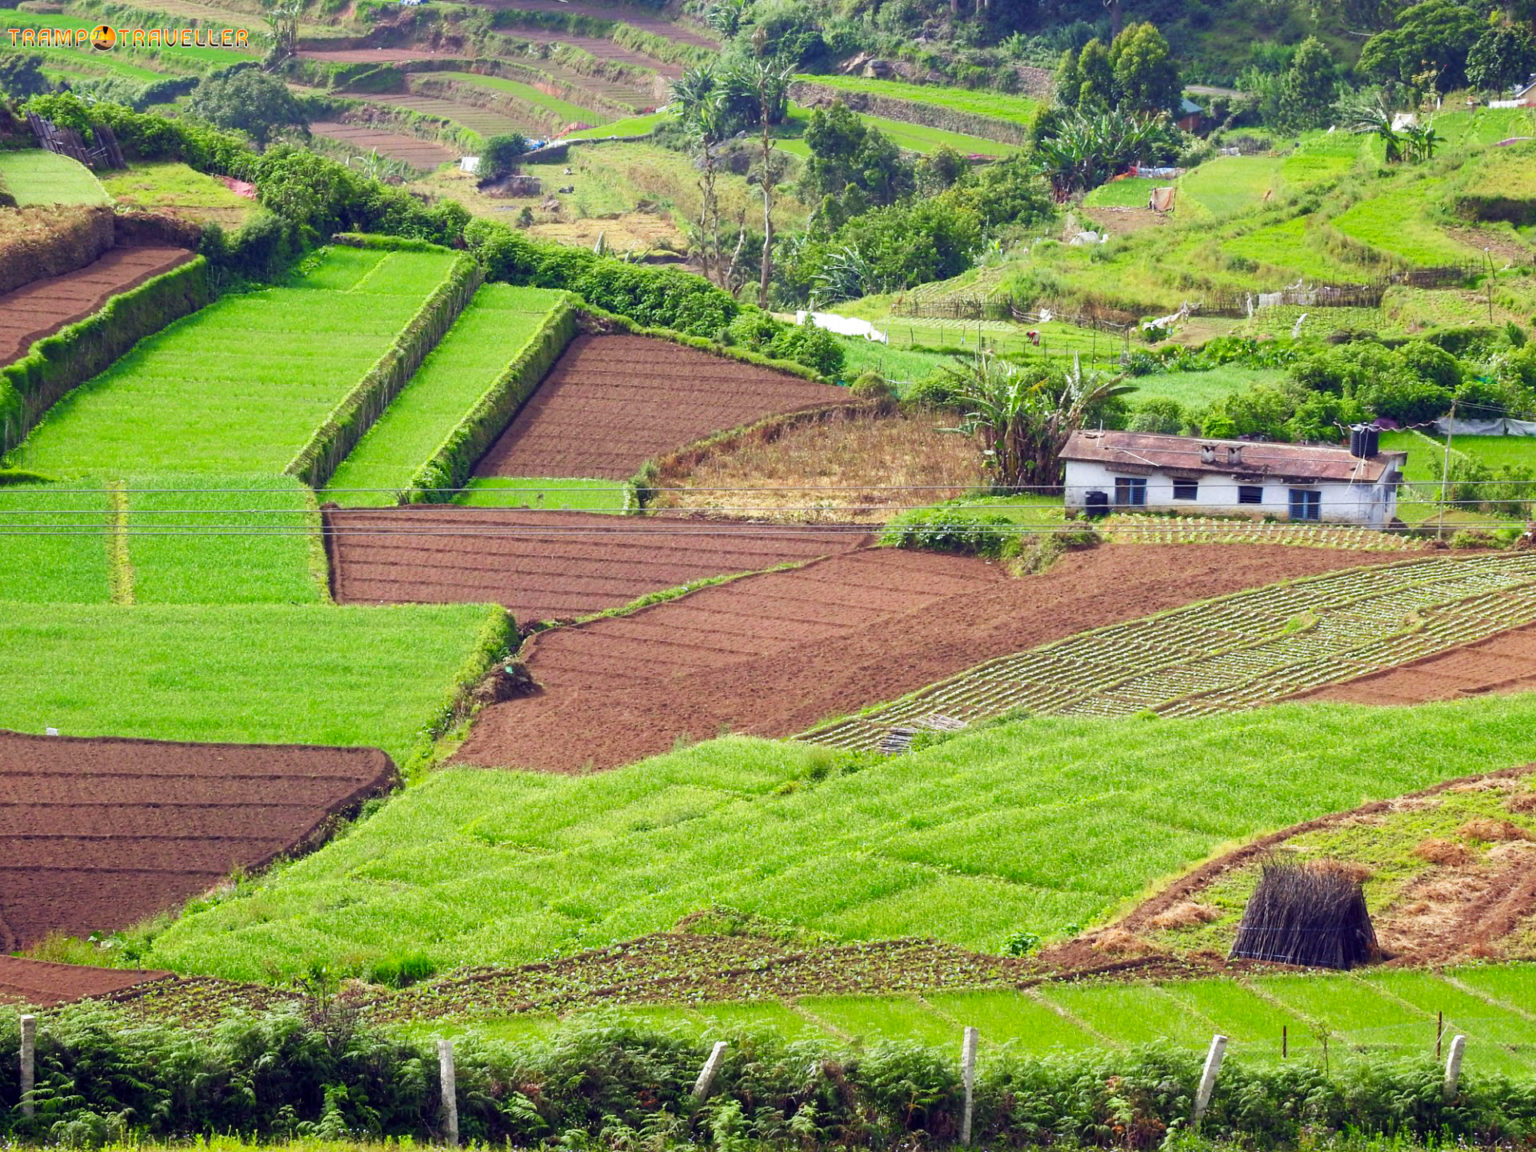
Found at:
(43, 307)
(610, 403)
(772, 655)
(548, 565)
(1502, 663)
(97, 834)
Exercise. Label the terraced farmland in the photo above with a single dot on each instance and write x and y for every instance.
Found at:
(1239, 652)
(241, 385)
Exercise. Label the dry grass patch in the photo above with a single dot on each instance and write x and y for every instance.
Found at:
(1185, 914)
(846, 467)
(1492, 831)
(1445, 852)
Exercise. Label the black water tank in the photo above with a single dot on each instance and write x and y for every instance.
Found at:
(1096, 505)
(1364, 440)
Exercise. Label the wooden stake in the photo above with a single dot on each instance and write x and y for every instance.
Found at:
(450, 1089)
(28, 1062)
(1208, 1076)
(1285, 1041)
(706, 1081)
(1439, 1031)
(968, 1075)
(1453, 1066)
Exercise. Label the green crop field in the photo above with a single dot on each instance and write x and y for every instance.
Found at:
(561, 108)
(1397, 221)
(181, 190)
(311, 673)
(1130, 192)
(53, 543)
(240, 386)
(1229, 185)
(37, 177)
(562, 492)
(483, 342)
(963, 841)
(1197, 390)
(979, 102)
(199, 539)
(630, 126)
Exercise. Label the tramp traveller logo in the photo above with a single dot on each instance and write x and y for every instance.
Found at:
(105, 38)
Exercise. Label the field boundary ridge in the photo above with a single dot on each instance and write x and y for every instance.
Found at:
(810, 93)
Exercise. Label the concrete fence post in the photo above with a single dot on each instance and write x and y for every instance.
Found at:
(1213, 1060)
(968, 1076)
(706, 1081)
(450, 1087)
(28, 1062)
(1453, 1066)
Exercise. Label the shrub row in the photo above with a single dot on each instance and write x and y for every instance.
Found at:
(345, 426)
(452, 463)
(60, 362)
(913, 112)
(314, 1072)
(53, 240)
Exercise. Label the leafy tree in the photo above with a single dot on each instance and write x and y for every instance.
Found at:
(282, 17)
(1376, 120)
(1096, 77)
(248, 101)
(846, 152)
(1433, 37)
(940, 170)
(1159, 414)
(1023, 415)
(807, 344)
(1086, 149)
(1503, 57)
(499, 155)
(21, 75)
(1146, 76)
(1069, 81)
(1308, 87)
(914, 243)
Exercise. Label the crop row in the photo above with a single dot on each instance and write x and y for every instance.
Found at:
(1238, 652)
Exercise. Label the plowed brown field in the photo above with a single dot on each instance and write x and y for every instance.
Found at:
(771, 655)
(96, 834)
(1502, 663)
(43, 307)
(417, 153)
(42, 984)
(610, 403)
(547, 565)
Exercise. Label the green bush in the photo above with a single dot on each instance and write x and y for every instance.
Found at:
(948, 528)
(807, 344)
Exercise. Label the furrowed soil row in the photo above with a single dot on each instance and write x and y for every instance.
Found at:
(100, 833)
(1246, 650)
(407, 149)
(547, 565)
(772, 654)
(43, 307)
(1502, 663)
(612, 402)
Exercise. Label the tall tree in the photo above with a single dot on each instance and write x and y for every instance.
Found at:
(1096, 77)
(248, 101)
(1431, 40)
(1502, 58)
(770, 79)
(1069, 81)
(1309, 87)
(1146, 77)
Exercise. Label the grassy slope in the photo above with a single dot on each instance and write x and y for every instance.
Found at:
(964, 841)
(488, 335)
(561, 108)
(181, 188)
(982, 102)
(38, 177)
(241, 385)
(312, 674)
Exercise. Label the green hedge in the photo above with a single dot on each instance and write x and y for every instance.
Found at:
(386, 243)
(102, 1073)
(58, 363)
(451, 465)
(345, 426)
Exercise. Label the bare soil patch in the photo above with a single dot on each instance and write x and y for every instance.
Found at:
(43, 984)
(547, 565)
(771, 655)
(1502, 663)
(98, 834)
(1121, 221)
(849, 464)
(612, 402)
(44, 306)
(407, 149)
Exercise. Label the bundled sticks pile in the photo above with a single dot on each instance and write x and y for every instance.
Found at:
(1312, 915)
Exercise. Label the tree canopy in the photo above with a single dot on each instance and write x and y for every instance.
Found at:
(248, 101)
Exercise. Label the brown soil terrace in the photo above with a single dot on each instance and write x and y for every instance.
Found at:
(629, 14)
(773, 654)
(648, 396)
(97, 834)
(44, 984)
(547, 565)
(42, 307)
(407, 149)
(1502, 663)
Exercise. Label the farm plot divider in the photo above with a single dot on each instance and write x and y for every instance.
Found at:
(1236, 652)
(339, 434)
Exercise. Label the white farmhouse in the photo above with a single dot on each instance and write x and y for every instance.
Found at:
(1144, 471)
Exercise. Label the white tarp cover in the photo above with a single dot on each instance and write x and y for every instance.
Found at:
(844, 325)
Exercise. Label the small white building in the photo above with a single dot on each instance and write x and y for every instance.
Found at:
(1148, 472)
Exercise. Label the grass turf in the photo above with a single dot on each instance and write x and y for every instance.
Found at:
(180, 189)
(562, 492)
(37, 177)
(240, 386)
(963, 841)
(978, 102)
(53, 543)
(310, 674)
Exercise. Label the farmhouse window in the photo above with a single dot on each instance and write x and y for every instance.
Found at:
(1130, 492)
(1250, 494)
(1306, 505)
(1186, 489)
